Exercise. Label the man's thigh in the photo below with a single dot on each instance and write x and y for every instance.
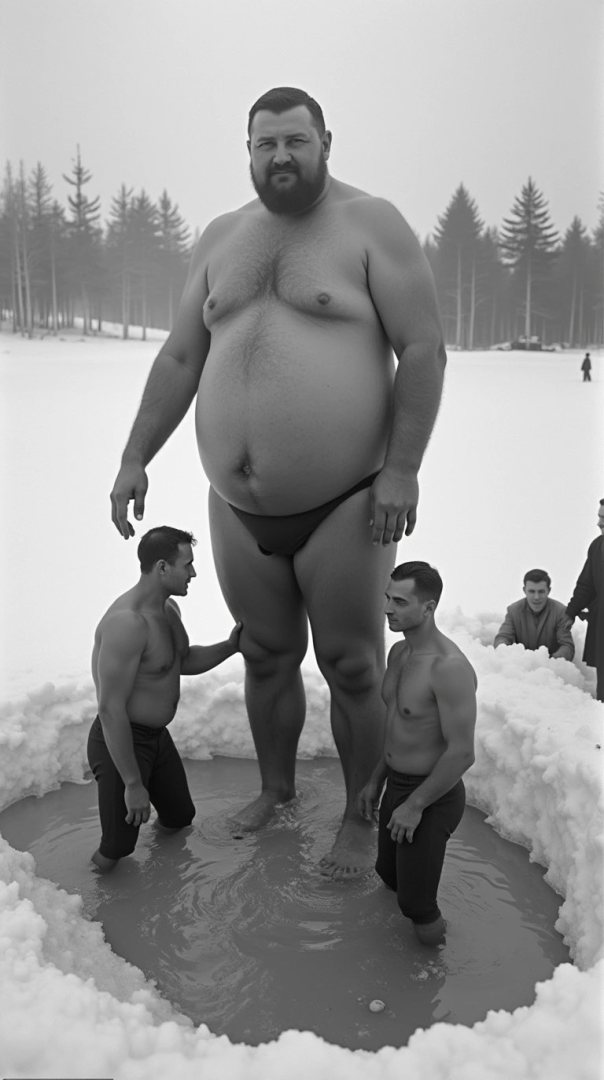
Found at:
(419, 863)
(343, 577)
(260, 590)
(168, 788)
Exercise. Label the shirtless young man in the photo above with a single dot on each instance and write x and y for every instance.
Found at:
(430, 695)
(295, 308)
(140, 651)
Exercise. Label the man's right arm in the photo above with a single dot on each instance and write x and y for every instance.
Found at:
(506, 635)
(122, 644)
(169, 391)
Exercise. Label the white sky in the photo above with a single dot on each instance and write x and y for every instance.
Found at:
(420, 95)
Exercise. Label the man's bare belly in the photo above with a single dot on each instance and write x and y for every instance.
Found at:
(413, 745)
(292, 410)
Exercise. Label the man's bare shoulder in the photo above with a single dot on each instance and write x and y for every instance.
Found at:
(451, 664)
(121, 622)
(374, 209)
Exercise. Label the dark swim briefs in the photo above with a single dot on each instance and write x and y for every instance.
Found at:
(285, 534)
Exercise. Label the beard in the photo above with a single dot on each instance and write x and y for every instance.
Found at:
(292, 200)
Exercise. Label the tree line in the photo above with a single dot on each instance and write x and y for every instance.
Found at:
(60, 262)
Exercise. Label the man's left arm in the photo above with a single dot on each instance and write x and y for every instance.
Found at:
(201, 658)
(402, 289)
(455, 691)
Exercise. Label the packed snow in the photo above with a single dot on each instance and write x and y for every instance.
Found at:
(501, 492)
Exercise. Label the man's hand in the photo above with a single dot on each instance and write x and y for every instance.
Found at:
(131, 483)
(393, 501)
(404, 822)
(368, 800)
(136, 798)
(234, 635)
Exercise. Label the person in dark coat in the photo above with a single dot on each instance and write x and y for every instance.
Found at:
(586, 368)
(587, 602)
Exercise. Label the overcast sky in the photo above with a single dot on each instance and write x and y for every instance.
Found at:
(420, 95)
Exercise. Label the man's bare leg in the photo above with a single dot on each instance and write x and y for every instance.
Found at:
(343, 577)
(262, 591)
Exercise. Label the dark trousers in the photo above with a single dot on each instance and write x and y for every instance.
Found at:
(162, 773)
(413, 869)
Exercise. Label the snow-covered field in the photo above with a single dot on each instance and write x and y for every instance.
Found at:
(511, 480)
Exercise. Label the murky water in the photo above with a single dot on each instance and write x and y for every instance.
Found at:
(247, 937)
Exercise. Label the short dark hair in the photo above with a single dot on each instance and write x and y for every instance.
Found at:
(161, 543)
(536, 576)
(282, 98)
(426, 579)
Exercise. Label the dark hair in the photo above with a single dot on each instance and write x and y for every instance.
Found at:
(282, 98)
(161, 543)
(426, 579)
(536, 576)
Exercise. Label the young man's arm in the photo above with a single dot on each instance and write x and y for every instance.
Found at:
(124, 637)
(506, 635)
(200, 658)
(403, 292)
(454, 687)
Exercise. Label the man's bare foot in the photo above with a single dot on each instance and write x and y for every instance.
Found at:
(353, 852)
(256, 814)
(431, 933)
(102, 863)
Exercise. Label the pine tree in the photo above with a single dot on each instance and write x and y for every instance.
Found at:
(120, 252)
(457, 238)
(528, 241)
(84, 236)
(597, 275)
(572, 279)
(174, 240)
(145, 254)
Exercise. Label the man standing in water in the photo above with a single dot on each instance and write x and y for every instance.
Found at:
(294, 305)
(430, 695)
(140, 651)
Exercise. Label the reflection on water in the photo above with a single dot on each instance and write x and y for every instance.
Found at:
(246, 936)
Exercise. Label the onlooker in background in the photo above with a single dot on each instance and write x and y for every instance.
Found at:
(537, 620)
(586, 368)
(587, 603)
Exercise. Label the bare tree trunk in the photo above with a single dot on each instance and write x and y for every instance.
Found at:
(19, 283)
(573, 307)
(459, 329)
(53, 281)
(472, 305)
(527, 313)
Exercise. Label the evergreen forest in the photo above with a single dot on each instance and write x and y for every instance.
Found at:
(60, 262)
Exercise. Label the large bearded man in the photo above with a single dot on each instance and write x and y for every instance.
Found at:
(295, 308)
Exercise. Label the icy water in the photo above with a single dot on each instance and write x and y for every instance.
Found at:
(246, 936)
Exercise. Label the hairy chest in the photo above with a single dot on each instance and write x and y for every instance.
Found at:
(318, 271)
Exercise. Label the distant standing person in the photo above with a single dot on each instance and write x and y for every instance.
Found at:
(586, 368)
(587, 602)
(537, 620)
(430, 694)
(296, 307)
(140, 651)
